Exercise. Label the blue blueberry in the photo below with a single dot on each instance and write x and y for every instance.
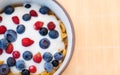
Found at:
(3, 44)
(27, 5)
(26, 17)
(44, 43)
(58, 56)
(4, 69)
(55, 63)
(25, 72)
(44, 10)
(27, 55)
(11, 61)
(53, 34)
(9, 10)
(48, 66)
(20, 29)
(10, 35)
(20, 65)
(47, 56)
(43, 31)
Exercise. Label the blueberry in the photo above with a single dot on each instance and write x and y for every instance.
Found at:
(4, 69)
(9, 10)
(20, 29)
(11, 61)
(26, 17)
(20, 65)
(3, 44)
(44, 43)
(43, 31)
(53, 34)
(47, 56)
(58, 56)
(10, 35)
(48, 66)
(55, 63)
(27, 55)
(44, 10)
(27, 5)
(25, 72)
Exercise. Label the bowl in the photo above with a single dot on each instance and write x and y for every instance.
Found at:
(63, 16)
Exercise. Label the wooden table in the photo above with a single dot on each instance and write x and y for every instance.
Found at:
(97, 30)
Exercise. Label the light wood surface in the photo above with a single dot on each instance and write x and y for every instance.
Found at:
(97, 30)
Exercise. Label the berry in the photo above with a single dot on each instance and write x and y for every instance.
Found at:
(20, 65)
(27, 55)
(1, 51)
(37, 58)
(44, 10)
(9, 48)
(4, 69)
(15, 19)
(32, 69)
(25, 72)
(9, 10)
(20, 29)
(44, 43)
(27, 42)
(27, 5)
(2, 29)
(26, 17)
(55, 63)
(58, 56)
(0, 19)
(47, 56)
(51, 26)
(11, 61)
(16, 54)
(53, 34)
(48, 66)
(10, 35)
(33, 13)
(38, 25)
(3, 44)
(43, 31)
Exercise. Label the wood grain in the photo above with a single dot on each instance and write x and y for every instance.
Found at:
(97, 30)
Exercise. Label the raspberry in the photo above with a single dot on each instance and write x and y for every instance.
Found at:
(0, 19)
(32, 69)
(1, 51)
(51, 26)
(27, 42)
(33, 13)
(10, 48)
(2, 29)
(15, 19)
(16, 54)
(38, 25)
(37, 58)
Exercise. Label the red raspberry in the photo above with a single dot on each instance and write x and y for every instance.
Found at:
(0, 19)
(16, 54)
(15, 19)
(2, 29)
(38, 25)
(51, 26)
(37, 58)
(27, 42)
(10, 48)
(33, 13)
(1, 51)
(32, 69)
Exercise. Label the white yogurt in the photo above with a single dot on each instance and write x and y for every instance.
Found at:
(30, 32)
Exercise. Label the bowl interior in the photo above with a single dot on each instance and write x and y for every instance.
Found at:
(59, 11)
